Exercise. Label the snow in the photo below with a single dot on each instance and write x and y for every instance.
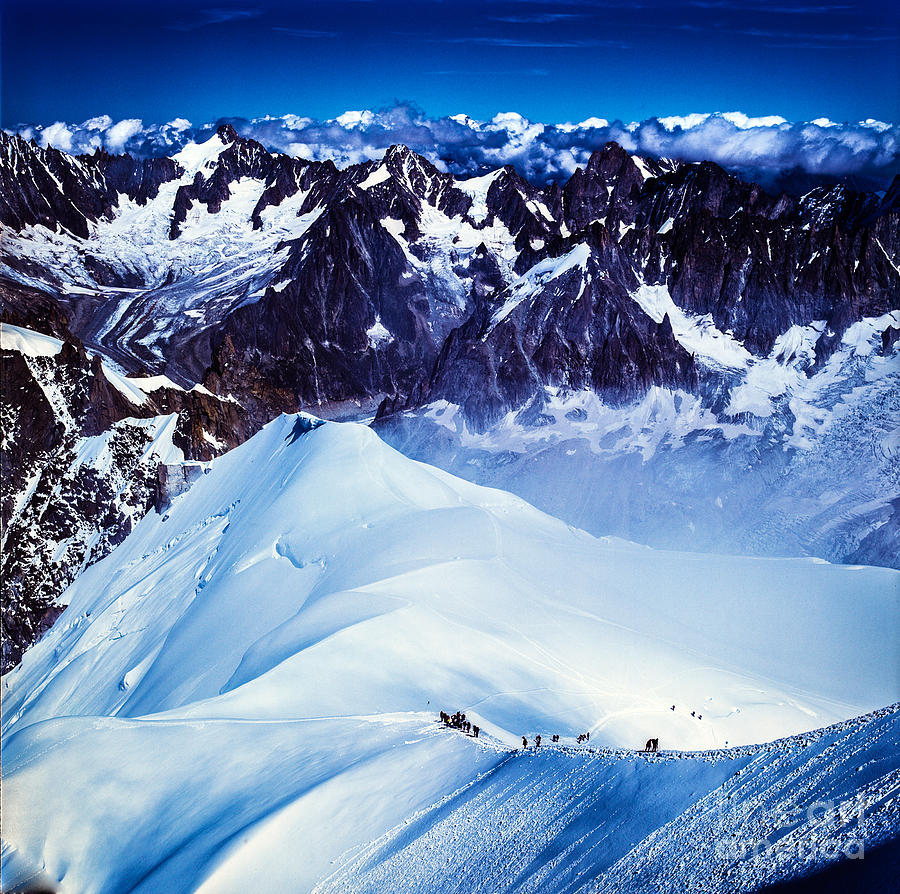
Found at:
(218, 446)
(538, 276)
(195, 157)
(890, 260)
(698, 334)
(425, 550)
(477, 189)
(124, 385)
(227, 688)
(539, 208)
(720, 822)
(218, 261)
(149, 384)
(28, 342)
(379, 175)
(641, 165)
(662, 418)
(445, 246)
(417, 806)
(784, 371)
(22, 499)
(378, 334)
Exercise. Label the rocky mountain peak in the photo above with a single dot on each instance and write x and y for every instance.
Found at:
(608, 157)
(227, 133)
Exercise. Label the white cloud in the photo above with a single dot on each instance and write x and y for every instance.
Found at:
(739, 119)
(57, 135)
(685, 122)
(119, 134)
(759, 147)
(355, 119)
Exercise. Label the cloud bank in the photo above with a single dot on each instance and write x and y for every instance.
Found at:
(770, 150)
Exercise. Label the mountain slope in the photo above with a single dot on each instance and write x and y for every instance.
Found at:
(697, 821)
(81, 449)
(258, 658)
(442, 566)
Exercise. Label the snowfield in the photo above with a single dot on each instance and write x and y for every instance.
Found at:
(606, 821)
(246, 688)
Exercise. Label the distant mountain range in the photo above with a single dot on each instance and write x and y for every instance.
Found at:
(228, 283)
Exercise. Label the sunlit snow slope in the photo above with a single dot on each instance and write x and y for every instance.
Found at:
(273, 645)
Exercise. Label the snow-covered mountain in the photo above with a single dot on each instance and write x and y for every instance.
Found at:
(790, 458)
(694, 340)
(247, 687)
(344, 284)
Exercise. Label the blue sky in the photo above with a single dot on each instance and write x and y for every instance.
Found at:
(549, 61)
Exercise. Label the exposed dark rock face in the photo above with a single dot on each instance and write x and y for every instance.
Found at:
(48, 187)
(311, 338)
(79, 469)
(74, 516)
(578, 330)
(760, 264)
(31, 429)
(609, 189)
(32, 308)
(756, 264)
